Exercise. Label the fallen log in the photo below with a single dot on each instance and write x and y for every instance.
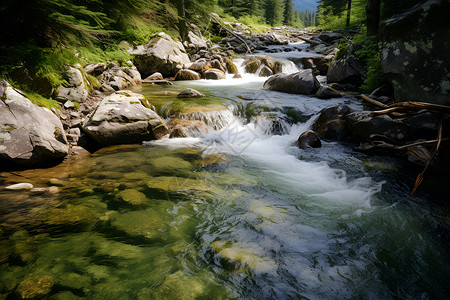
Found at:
(374, 102)
(216, 19)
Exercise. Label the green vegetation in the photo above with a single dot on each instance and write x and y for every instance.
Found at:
(40, 100)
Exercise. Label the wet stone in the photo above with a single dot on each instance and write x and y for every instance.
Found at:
(70, 215)
(176, 184)
(73, 281)
(241, 256)
(66, 295)
(131, 196)
(35, 286)
(19, 187)
(146, 224)
(180, 286)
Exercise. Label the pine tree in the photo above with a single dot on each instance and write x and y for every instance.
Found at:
(288, 12)
(274, 10)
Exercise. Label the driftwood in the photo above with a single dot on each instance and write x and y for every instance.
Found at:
(419, 178)
(406, 108)
(216, 19)
(374, 102)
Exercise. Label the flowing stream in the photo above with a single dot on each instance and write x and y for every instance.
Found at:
(237, 213)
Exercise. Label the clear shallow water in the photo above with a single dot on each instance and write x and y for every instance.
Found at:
(237, 213)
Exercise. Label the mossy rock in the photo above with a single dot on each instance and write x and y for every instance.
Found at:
(266, 212)
(176, 184)
(186, 74)
(74, 281)
(240, 257)
(145, 224)
(170, 165)
(212, 159)
(132, 196)
(252, 65)
(71, 215)
(35, 286)
(180, 286)
(231, 67)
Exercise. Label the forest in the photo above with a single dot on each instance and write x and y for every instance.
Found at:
(44, 35)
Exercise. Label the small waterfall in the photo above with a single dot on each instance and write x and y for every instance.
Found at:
(271, 123)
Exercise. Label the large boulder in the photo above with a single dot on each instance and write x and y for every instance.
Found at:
(303, 82)
(214, 74)
(309, 139)
(415, 53)
(161, 54)
(121, 118)
(331, 124)
(75, 89)
(362, 125)
(29, 135)
(186, 74)
(346, 71)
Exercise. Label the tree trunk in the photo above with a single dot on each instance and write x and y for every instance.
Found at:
(349, 11)
(373, 17)
(182, 19)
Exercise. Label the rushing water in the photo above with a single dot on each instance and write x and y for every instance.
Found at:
(239, 212)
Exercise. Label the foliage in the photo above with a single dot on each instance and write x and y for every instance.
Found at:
(365, 49)
(333, 15)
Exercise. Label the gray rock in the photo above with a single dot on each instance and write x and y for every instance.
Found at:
(69, 104)
(190, 93)
(155, 76)
(95, 69)
(121, 118)
(29, 135)
(362, 126)
(161, 54)
(186, 74)
(119, 78)
(348, 71)
(331, 125)
(329, 36)
(107, 88)
(199, 65)
(309, 139)
(196, 42)
(265, 72)
(214, 74)
(417, 64)
(303, 82)
(75, 89)
(19, 186)
(327, 92)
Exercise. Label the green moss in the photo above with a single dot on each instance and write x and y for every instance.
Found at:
(93, 82)
(42, 101)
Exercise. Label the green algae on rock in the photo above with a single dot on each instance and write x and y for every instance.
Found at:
(239, 257)
(34, 286)
(144, 224)
(131, 196)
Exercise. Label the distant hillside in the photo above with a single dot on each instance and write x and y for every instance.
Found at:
(302, 5)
